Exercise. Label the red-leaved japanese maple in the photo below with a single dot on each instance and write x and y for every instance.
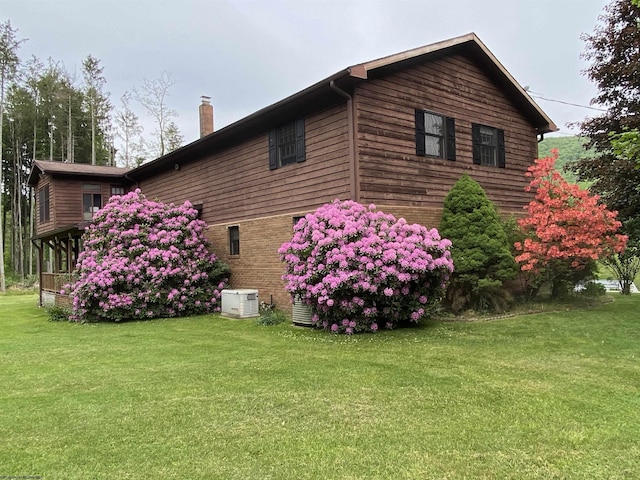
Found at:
(564, 222)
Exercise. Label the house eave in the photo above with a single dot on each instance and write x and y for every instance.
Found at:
(321, 95)
(65, 231)
(75, 170)
(317, 96)
(473, 48)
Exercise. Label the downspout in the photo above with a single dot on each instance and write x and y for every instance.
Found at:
(127, 177)
(353, 158)
(541, 137)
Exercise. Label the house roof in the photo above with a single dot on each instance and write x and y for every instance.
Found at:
(74, 169)
(324, 94)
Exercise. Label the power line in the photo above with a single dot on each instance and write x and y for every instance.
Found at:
(542, 97)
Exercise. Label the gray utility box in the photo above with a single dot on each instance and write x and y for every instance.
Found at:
(241, 303)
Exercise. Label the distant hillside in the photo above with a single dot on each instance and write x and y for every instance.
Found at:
(569, 148)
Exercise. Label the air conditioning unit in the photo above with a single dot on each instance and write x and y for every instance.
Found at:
(241, 303)
(301, 313)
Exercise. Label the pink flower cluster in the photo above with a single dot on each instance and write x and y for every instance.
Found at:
(359, 268)
(145, 259)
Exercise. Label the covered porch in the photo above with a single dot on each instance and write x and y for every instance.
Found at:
(58, 253)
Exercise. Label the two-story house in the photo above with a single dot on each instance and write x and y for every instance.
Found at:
(397, 132)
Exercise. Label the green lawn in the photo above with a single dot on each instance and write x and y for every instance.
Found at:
(553, 395)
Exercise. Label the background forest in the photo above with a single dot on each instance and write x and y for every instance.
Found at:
(51, 112)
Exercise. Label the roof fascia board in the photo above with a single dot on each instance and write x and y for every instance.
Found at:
(269, 116)
(469, 39)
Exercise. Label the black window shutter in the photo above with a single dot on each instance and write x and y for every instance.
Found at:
(420, 132)
(273, 150)
(477, 142)
(451, 138)
(300, 147)
(502, 163)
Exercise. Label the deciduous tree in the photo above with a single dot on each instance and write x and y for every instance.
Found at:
(613, 169)
(567, 228)
(153, 96)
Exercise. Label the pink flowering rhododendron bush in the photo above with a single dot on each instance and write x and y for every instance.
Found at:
(145, 259)
(360, 269)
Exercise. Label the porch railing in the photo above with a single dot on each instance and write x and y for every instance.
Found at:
(53, 282)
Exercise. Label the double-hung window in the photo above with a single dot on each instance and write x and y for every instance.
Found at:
(43, 204)
(91, 200)
(488, 146)
(435, 135)
(286, 144)
(117, 190)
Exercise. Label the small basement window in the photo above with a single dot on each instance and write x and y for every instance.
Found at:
(296, 219)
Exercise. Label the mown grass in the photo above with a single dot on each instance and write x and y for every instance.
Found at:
(552, 395)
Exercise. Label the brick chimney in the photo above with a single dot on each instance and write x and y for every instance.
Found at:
(206, 116)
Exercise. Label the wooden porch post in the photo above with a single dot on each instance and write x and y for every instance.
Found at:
(40, 249)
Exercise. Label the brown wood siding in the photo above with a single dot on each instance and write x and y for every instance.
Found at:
(390, 170)
(44, 226)
(65, 199)
(236, 184)
(69, 199)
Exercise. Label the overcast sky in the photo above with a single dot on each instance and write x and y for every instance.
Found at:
(247, 54)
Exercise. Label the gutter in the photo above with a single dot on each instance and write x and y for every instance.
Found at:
(354, 170)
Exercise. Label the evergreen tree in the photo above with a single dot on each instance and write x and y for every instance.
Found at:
(129, 131)
(174, 138)
(480, 250)
(99, 107)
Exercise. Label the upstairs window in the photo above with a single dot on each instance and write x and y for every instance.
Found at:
(43, 204)
(234, 240)
(115, 190)
(435, 135)
(488, 146)
(286, 144)
(91, 200)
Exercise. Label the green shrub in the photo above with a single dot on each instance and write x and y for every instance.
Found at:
(272, 317)
(58, 313)
(480, 249)
(592, 290)
(269, 315)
